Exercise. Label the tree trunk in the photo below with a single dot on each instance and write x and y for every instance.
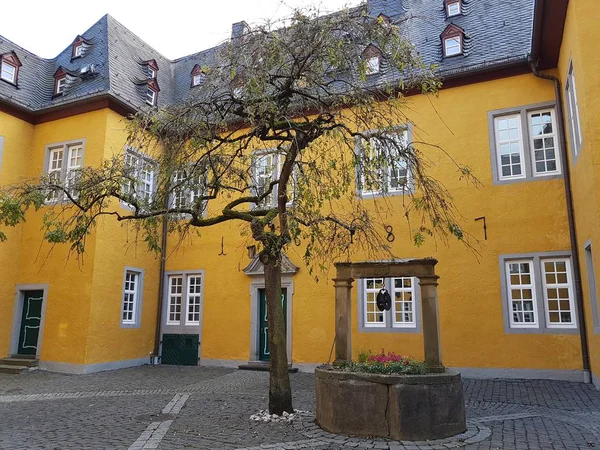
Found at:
(280, 391)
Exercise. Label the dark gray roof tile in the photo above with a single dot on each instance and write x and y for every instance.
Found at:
(496, 32)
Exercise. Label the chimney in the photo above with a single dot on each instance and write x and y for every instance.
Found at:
(238, 29)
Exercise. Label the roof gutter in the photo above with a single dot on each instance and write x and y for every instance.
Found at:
(533, 63)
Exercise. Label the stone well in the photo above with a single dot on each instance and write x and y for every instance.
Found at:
(400, 407)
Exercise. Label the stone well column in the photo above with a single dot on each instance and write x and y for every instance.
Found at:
(431, 326)
(343, 308)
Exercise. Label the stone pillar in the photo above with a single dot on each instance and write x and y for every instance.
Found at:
(431, 326)
(343, 308)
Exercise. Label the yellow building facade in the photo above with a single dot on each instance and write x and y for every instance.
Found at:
(510, 308)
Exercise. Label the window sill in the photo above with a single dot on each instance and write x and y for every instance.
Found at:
(367, 195)
(12, 83)
(130, 325)
(542, 330)
(498, 182)
(387, 329)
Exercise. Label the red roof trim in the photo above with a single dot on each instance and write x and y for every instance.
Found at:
(150, 63)
(452, 31)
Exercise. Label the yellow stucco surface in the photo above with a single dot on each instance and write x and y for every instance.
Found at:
(521, 217)
(82, 323)
(578, 45)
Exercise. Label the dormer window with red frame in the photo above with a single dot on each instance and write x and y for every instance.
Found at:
(452, 41)
(151, 94)
(9, 67)
(372, 56)
(79, 47)
(151, 68)
(60, 81)
(197, 75)
(453, 7)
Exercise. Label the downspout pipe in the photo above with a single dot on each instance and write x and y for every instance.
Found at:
(533, 63)
(161, 278)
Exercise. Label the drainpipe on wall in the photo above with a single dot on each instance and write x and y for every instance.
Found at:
(163, 250)
(587, 377)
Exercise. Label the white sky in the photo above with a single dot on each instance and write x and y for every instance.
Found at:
(173, 27)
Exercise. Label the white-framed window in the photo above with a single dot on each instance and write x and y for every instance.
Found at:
(373, 65)
(403, 302)
(175, 299)
(8, 72)
(64, 163)
(383, 169)
(573, 112)
(525, 144)
(404, 315)
(61, 83)
(188, 187)
(544, 141)
(558, 292)
(140, 173)
(373, 317)
(151, 72)
(78, 51)
(453, 9)
(150, 96)
(521, 291)
(452, 46)
(509, 147)
(132, 297)
(193, 299)
(184, 300)
(539, 292)
(197, 79)
(265, 168)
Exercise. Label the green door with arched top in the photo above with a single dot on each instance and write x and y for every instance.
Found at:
(263, 329)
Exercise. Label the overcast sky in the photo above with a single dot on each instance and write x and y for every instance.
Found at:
(174, 27)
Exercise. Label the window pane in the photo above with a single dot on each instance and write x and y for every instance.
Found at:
(403, 302)
(521, 288)
(509, 146)
(557, 292)
(373, 317)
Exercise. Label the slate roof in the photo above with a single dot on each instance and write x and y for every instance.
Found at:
(497, 32)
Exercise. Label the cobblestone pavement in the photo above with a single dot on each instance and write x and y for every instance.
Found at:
(168, 408)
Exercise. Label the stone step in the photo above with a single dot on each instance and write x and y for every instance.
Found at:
(4, 368)
(17, 361)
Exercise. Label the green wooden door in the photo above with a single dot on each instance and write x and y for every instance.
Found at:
(30, 322)
(180, 349)
(263, 341)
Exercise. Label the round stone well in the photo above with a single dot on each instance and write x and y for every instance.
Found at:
(400, 407)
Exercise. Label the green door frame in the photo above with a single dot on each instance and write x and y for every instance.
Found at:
(256, 283)
(263, 344)
(18, 310)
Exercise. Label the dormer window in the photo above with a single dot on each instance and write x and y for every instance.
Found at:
(372, 56)
(452, 41)
(197, 75)
(452, 46)
(373, 65)
(453, 8)
(150, 96)
(79, 47)
(60, 85)
(9, 72)
(9, 67)
(151, 68)
(77, 51)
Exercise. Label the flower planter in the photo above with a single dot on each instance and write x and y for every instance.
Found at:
(401, 407)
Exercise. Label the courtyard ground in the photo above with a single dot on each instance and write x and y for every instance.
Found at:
(169, 407)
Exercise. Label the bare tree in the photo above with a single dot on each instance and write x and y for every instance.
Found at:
(287, 125)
